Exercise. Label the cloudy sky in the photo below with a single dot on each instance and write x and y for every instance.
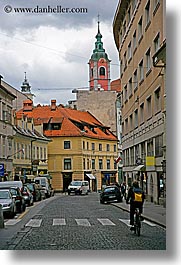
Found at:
(54, 48)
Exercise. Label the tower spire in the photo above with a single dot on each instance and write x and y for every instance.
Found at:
(98, 22)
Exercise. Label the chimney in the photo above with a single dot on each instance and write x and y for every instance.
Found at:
(27, 105)
(53, 104)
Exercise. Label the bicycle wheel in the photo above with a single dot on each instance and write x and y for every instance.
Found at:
(138, 225)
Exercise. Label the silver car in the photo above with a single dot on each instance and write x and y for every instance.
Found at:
(8, 203)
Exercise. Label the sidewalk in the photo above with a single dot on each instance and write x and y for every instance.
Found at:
(151, 212)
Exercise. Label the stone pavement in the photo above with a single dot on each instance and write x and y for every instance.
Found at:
(152, 212)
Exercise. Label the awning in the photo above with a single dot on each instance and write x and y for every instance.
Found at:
(138, 168)
(90, 176)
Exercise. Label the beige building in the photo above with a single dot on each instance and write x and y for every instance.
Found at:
(6, 131)
(139, 32)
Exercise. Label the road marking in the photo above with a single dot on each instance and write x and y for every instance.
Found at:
(83, 222)
(34, 223)
(59, 221)
(149, 223)
(125, 221)
(105, 222)
(12, 222)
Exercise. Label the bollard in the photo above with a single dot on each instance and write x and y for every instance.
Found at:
(1, 217)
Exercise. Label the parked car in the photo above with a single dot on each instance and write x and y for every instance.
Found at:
(110, 194)
(8, 184)
(8, 203)
(78, 187)
(19, 199)
(43, 181)
(35, 191)
(27, 196)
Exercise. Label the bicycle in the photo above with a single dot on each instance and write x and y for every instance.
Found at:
(137, 222)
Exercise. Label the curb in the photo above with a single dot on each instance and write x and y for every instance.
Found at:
(145, 217)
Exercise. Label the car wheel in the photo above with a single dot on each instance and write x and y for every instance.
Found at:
(101, 201)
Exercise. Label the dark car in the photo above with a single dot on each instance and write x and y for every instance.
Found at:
(110, 194)
(27, 195)
(19, 199)
(35, 191)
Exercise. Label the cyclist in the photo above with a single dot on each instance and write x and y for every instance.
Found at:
(135, 203)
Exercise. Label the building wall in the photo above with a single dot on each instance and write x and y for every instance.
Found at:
(80, 149)
(142, 99)
(102, 104)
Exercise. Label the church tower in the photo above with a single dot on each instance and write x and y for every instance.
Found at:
(99, 66)
(26, 88)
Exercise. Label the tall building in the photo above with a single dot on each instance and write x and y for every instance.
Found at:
(139, 33)
(6, 131)
(99, 66)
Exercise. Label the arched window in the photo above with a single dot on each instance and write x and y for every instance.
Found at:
(102, 71)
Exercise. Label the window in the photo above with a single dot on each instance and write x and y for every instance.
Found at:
(3, 146)
(66, 144)
(131, 122)
(87, 145)
(130, 87)
(134, 41)
(93, 146)
(125, 94)
(125, 61)
(129, 52)
(132, 156)
(115, 148)
(100, 164)
(93, 163)
(147, 14)
(136, 118)
(124, 28)
(148, 107)
(126, 125)
(67, 163)
(100, 147)
(129, 15)
(141, 72)
(87, 163)
(156, 4)
(148, 60)
(157, 100)
(150, 151)
(45, 153)
(37, 152)
(157, 42)
(135, 79)
(107, 147)
(159, 145)
(121, 67)
(41, 152)
(120, 37)
(108, 164)
(83, 145)
(142, 113)
(102, 71)
(84, 163)
(140, 29)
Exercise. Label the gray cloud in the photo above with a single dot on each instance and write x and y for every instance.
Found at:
(11, 21)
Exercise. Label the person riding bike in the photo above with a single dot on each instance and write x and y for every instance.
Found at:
(136, 197)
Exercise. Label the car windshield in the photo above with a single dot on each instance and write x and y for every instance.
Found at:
(4, 194)
(76, 183)
(14, 191)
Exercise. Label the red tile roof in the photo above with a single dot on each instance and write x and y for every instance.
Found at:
(73, 122)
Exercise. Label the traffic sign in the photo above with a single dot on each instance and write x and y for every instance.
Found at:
(1, 170)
